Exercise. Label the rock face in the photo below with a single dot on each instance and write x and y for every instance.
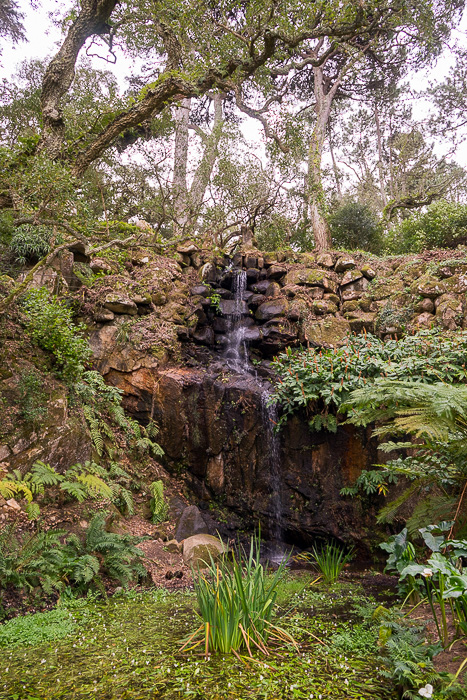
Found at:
(214, 432)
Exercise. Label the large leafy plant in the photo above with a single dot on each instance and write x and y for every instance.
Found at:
(320, 382)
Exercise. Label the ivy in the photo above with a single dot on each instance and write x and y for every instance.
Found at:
(319, 382)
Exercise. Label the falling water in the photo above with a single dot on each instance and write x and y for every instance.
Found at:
(270, 418)
(236, 352)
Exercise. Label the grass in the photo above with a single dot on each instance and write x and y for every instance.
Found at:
(330, 561)
(130, 649)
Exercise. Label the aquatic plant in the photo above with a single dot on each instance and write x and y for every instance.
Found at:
(330, 560)
(236, 599)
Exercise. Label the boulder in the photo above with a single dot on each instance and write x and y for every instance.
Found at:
(187, 248)
(430, 287)
(449, 313)
(310, 278)
(250, 261)
(200, 290)
(368, 271)
(354, 290)
(271, 309)
(424, 320)
(208, 272)
(345, 263)
(173, 547)
(190, 523)
(330, 332)
(276, 272)
(99, 265)
(325, 260)
(198, 550)
(103, 315)
(425, 306)
(260, 287)
(324, 306)
(351, 276)
(273, 290)
(230, 307)
(120, 304)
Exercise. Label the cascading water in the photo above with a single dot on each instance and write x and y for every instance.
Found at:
(236, 352)
(236, 357)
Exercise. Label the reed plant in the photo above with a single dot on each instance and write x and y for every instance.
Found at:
(330, 560)
(236, 598)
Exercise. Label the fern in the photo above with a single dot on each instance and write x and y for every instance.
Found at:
(94, 485)
(44, 475)
(74, 489)
(33, 511)
(158, 505)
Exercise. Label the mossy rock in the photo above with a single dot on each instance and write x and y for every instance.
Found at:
(330, 332)
(428, 286)
(198, 550)
(311, 278)
(383, 289)
(272, 309)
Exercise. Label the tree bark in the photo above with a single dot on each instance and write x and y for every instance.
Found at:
(180, 164)
(60, 72)
(202, 176)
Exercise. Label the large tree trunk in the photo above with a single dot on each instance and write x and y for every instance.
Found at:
(314, 187)
(60, 72)
(204, 170)
(379, 139)
(180, 166)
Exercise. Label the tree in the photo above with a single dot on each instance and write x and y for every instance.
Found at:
(11, 21)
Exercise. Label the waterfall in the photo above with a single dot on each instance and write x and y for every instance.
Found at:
(235, 353)
(236, 358)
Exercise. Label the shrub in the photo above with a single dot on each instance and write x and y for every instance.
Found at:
(30, 243)
(442, 225)
(50, 325)
(30, 561)
(354, 225)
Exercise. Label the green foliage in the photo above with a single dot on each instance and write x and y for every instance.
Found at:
(442, 225)
(236, 601)
(50, 325)
(30, 243)
(32, 397)
(330, 561)
(79, 483)
(320, 382)
(102, 408)
(371, 482)
(37, 629)
(40, 559)
(354, 225)
(158, 505)
(30, 561)
(436, 416)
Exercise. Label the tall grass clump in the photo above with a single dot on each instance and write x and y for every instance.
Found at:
(330, 561)
(236, 598)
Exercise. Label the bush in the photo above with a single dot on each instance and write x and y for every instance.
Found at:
(354, 225)
(442, 225)
(30, 243)
(50, 324)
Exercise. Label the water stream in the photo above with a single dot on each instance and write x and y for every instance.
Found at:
(236, 358)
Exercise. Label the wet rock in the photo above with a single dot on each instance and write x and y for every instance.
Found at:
(270, 309)
(208, 272)
(260, 287)
(120, 304)
(345, 263)
(190, 523)
(199, 550)
(252, 335)
(230, 307)
(250, 261)
(252, 275)
(256, 300)
(273, 290)
(204, 335)
(200, 290)
(330, 332)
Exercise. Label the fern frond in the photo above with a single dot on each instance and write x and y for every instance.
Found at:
(45, 475)
(94, 485)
